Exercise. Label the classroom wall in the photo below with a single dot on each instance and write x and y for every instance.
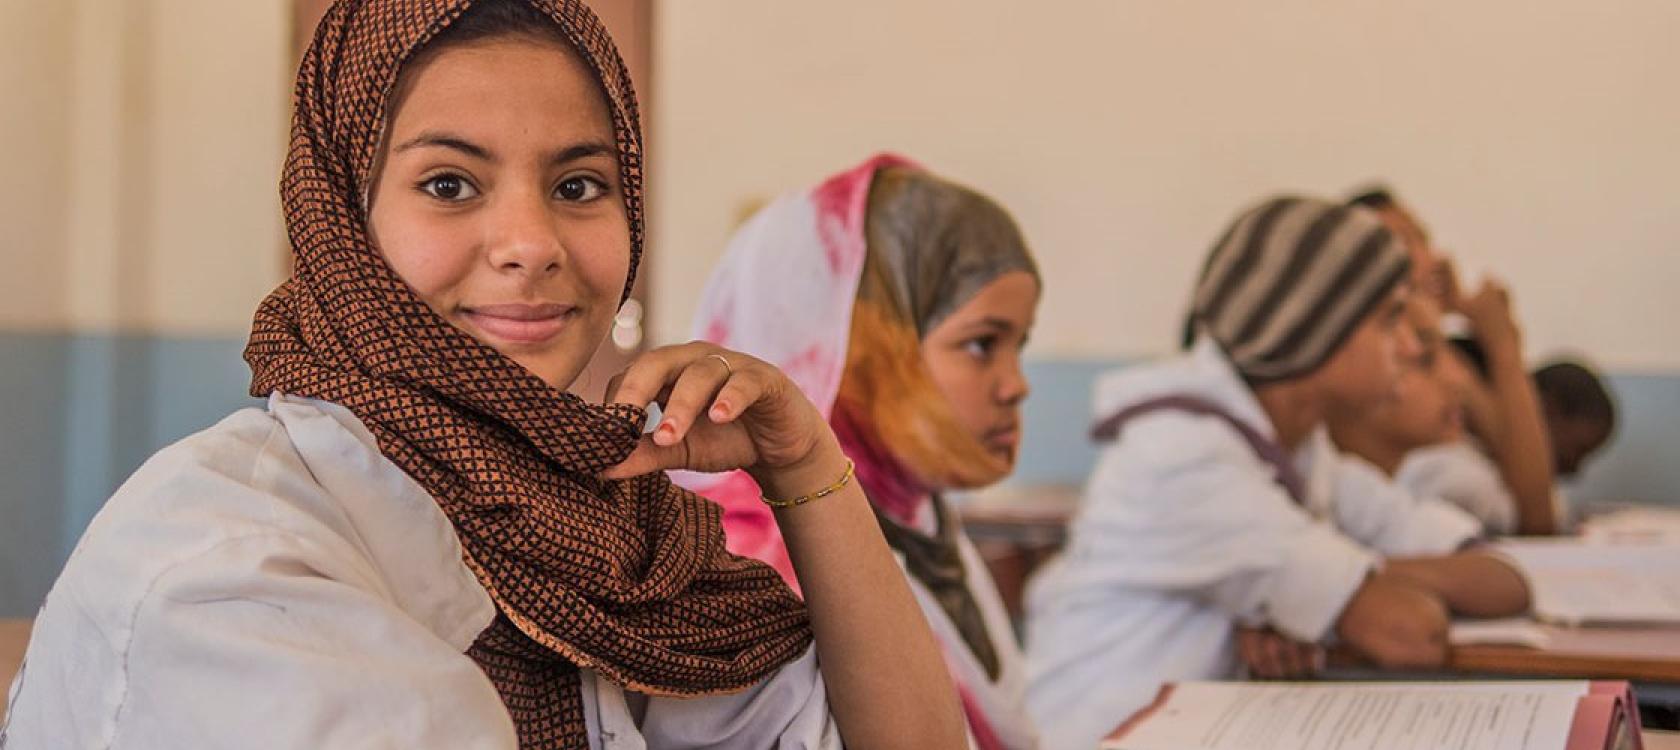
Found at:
(1536, 137)
(142, 227)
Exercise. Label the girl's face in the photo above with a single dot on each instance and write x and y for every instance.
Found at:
(497, 198)
(974, 357)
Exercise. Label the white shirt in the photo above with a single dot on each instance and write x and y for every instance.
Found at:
(1183, 533)
(1459, 473)
(275, 582)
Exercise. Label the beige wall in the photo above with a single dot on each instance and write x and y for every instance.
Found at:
(153, 134)
(34, 64)
(1537, 138)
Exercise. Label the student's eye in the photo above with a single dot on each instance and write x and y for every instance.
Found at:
(580, 189)
(448, 187)
(980, 348)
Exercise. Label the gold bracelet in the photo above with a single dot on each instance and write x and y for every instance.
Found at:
(845, 479)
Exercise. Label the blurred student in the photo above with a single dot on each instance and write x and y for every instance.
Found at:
(1218, 502)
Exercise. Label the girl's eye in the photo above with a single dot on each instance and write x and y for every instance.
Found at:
(448, 187)
(580, 189)
(980, 348)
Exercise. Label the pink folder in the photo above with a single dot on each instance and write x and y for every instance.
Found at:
(1606, 718)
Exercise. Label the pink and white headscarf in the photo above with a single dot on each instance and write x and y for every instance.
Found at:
(785, 292)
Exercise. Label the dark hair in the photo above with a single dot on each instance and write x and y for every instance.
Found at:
(1573, 391)
(1374, 197)
(489, 19)
(1473, 353)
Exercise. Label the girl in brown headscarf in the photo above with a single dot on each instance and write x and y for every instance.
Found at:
(423, 540)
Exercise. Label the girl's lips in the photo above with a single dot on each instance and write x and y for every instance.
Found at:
(520, 324)
(1004, 437)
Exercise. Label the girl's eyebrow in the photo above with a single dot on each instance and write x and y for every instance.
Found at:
(438, 139)
(447, 140)
(583, 150)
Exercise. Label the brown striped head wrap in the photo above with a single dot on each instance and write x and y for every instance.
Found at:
(629, 578)
(1290, 281)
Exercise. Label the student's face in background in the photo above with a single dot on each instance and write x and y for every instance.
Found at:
(1366, 370)
(497, 198)
(974, 357)
(1574, 440)
(1428, 407)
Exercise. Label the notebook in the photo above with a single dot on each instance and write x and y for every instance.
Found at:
(1520, 715)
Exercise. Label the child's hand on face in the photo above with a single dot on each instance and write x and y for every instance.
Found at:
(1446, 284)
(724, 410)
(1270, 655)
(1489, 311)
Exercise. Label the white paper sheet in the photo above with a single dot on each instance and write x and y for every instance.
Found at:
(1513, 631)
(1634, 526)
(1360, 716)
(1576, 583)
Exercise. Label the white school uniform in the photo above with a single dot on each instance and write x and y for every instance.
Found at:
(275, 582)
(1460, 473)
(1183, 533)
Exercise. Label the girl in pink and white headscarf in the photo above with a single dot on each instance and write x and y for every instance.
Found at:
(899, 302)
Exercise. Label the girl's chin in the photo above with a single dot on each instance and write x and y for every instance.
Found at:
(558, 372)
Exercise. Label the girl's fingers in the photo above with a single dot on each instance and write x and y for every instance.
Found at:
(649, 457)
(696, 387)
(650, 374)
(735, 397)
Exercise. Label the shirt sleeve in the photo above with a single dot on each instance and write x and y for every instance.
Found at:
(1186, 508)
(788, 710)
(264, 642)
(1461, 475)
(1384, 516)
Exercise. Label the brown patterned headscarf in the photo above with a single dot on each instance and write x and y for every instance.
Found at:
(630, 578)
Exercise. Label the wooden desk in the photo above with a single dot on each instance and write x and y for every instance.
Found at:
(14, 638)
(1650, 655)
(1659, 740)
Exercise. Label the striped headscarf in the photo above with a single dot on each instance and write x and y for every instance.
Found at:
(630, 579)
(1289, 282)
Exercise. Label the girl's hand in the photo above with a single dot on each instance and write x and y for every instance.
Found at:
(724, 410)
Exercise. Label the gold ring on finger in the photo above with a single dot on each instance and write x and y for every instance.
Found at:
(720, 358)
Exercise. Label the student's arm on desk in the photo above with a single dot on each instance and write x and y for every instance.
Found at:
(1395, 623)
(1388, 621)
(1398, 617)
(1471, 583)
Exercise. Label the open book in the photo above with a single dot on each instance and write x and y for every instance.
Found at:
(1579, 583)
(1530, 715)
